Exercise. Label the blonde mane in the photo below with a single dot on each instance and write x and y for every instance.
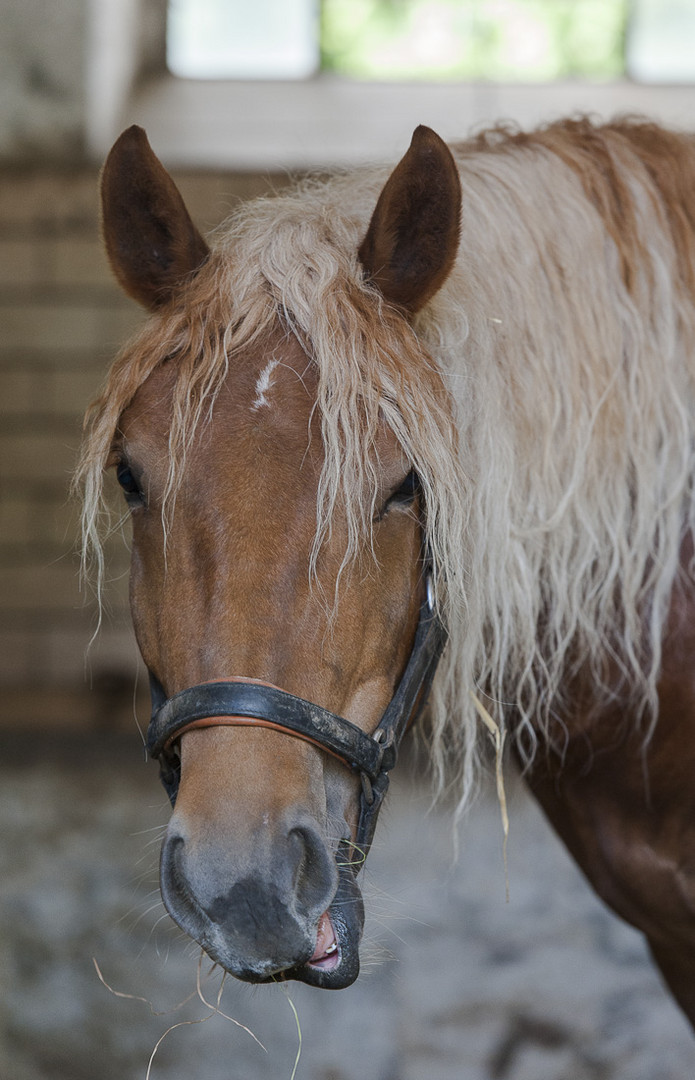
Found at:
(544, 396)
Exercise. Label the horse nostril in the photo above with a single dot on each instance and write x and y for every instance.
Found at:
(315, 878)
(178, 893)
(170, 860)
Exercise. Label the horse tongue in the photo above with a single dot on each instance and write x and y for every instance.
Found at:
(325, 939)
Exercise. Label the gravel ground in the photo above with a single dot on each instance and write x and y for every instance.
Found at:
(457, 983)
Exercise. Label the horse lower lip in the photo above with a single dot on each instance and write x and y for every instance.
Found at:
(328, 962)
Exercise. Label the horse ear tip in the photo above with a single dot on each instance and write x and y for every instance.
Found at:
(133, 138)
(424, 134)
(135, 132)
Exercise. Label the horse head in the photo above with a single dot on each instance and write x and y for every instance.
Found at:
(248, 568)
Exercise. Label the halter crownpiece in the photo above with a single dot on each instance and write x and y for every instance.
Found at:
(240, 701)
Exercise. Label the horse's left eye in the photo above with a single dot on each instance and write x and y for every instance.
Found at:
(131, 488)
(405, 494)
(408, 489)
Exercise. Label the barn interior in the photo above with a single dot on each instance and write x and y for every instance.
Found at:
(458, 982)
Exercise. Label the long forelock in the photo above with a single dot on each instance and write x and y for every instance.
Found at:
(276, 264)
(372, 368)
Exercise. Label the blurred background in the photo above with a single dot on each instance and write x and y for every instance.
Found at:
(237, 99)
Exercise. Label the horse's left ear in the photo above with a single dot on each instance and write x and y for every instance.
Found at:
(150, 240)
(413, 237)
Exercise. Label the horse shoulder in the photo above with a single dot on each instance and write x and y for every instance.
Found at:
(625, 807)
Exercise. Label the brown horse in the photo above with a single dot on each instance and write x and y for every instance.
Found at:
(458, 395)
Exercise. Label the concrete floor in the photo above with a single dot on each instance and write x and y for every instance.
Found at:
(457, 984)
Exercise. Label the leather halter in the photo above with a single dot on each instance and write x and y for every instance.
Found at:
(240, 701)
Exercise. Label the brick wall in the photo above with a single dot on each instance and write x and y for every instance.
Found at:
(61, 321)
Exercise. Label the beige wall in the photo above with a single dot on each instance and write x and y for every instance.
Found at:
(42, 85)
(67, 67)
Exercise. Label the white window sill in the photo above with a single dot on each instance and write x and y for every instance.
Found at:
(328, 121)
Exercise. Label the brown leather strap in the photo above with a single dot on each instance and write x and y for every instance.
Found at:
(254, 721)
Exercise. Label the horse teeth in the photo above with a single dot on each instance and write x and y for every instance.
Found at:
(331, 948)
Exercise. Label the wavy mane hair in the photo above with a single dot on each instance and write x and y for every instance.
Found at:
(545, 397)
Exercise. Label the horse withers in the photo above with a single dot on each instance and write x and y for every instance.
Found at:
(446, 411)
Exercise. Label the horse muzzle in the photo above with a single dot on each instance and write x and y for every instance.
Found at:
(294, 912)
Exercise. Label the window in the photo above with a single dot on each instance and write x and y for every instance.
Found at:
(661, 41)
(315, 83)
(242, 39)
(502, 40)
(505, 40)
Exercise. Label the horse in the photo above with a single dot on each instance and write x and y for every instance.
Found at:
(398, 446)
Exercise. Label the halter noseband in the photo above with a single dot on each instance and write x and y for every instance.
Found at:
(240, 701)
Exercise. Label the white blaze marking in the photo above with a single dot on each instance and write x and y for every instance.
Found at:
(265, 381)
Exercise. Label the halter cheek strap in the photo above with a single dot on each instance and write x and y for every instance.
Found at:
(240, 701)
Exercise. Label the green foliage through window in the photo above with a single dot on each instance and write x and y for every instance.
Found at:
(512, 40)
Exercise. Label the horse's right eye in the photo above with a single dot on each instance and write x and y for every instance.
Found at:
(131, 488)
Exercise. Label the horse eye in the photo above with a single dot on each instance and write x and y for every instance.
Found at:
(131, 488)
(408, 489)
(405, 494)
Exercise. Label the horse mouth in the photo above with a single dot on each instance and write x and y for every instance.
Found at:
(327, 952)
(335, 962)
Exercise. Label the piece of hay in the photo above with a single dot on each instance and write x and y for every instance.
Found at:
(214, 1011)
(498, 736)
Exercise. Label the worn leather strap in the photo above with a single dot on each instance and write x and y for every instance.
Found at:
(239, 701)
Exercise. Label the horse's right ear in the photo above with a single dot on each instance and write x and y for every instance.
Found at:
(150, 240)
(412, 239)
